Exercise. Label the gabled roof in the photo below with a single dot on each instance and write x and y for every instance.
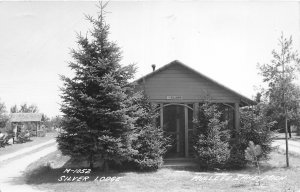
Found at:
(244, 100)
(25, 117)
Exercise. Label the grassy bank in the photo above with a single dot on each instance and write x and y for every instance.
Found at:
(50, 173)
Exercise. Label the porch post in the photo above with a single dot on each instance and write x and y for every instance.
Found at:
(15, 129)
(37, 127)
(154, 120)
(161, 115)
(177, 130)
(237, 116)
(186, 131)
(195, 113)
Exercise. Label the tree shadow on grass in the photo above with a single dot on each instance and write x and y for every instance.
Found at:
(248, 169)
(185, 168)
(57, 168)
(46, 174)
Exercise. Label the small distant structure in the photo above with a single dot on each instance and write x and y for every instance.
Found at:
(29, 121)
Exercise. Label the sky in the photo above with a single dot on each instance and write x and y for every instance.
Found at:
(222, 39)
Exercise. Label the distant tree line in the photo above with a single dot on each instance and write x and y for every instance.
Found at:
(24, 108)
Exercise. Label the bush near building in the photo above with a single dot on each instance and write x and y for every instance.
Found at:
(211, 142)
(216, 146)
(256, 127)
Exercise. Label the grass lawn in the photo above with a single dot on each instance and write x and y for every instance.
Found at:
(46, 174)
(34, 141)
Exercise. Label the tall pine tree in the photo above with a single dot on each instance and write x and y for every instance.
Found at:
(98, 120)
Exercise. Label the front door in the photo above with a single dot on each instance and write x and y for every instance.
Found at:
(174, 127)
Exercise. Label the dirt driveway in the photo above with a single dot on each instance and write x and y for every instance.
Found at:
(294, 146)
(11, 171)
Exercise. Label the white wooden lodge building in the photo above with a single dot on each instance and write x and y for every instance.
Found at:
(178, 90)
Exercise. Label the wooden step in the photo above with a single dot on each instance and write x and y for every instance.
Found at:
(179, 162)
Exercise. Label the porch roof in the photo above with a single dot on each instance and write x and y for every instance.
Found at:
(25, 117)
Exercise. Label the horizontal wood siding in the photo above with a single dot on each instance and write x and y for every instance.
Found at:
(179, 81)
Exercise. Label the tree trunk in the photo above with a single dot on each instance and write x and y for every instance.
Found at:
(289, 129)
(105, 166)
(91, 161)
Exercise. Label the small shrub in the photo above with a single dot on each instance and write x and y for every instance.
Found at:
(151, 145)
(211, 141)
(252, 154)
(255, 127)
(236, 158)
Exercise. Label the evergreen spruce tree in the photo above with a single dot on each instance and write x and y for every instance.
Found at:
(150, 142)
(211, 143)
(97, 121)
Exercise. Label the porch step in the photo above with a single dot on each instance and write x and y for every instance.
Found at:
(179, 163)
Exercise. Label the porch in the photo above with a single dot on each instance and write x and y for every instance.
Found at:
(178, 91)
(176, 119)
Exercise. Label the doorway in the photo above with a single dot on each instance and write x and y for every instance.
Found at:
(176, 120)
(174, 127)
